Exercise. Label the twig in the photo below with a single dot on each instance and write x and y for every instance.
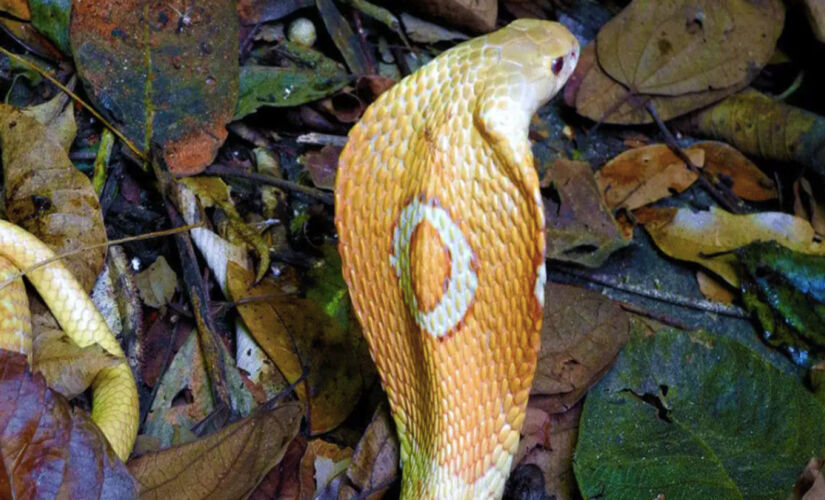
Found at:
(679, 300)
(223, 170)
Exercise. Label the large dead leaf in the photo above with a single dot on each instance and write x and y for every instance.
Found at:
(47, 450)
(674, 47)
(581, 335)
(166, 73)
(580, 228)
(296, 332)
(227, 464)
(46, 195)
(597, 96)
(643, 175)
(708, 238)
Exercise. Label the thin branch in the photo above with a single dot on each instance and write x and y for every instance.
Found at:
(223, 170)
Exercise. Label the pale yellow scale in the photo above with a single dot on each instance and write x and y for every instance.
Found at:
(441, 232)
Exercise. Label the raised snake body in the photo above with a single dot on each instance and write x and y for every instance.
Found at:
(441, 232)
(114, 399)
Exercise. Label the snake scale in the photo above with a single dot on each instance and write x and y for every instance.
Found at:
(441, 233)
(114, 393)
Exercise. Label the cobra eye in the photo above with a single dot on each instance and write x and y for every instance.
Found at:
(557, 65)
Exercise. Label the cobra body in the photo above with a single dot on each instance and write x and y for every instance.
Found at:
(441, 232)
(114, 393)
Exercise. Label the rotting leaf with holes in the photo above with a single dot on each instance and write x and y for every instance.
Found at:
(227, 464)
(786, 291)
(46, 449)
(166, 73)
(696, 415)
(297, 333)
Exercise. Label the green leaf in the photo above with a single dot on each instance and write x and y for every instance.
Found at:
(51, 18)
(313, 76)
(786, 291)
(694, 415)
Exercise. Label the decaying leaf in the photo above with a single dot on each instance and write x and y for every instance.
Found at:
(227, 464)
(67, 368)
(166, 73)
(725, 164)
(580, 228)
(322, 463)
(786, 291)
(709, 238)
(759, 125)
(47, 450)
(46, 195)
(357, 58)
(323, 165)
(677, 47)
(296, 334)
(309, 77)
(582, 332)
(374, 464)
(157, 283)
(643, 175)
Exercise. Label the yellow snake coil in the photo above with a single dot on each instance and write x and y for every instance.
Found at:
(441, 232)
(114, 393)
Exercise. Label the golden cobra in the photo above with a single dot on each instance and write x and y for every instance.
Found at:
(441, 232)
(114, 393)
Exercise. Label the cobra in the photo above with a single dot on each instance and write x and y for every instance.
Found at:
(114, 392)
(441, 234)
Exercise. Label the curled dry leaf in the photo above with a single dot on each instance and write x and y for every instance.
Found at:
(580, 228)
(47, 450)
(227, 464)
(581, 335)
(676, 47)
(643, 175)
(709, 238)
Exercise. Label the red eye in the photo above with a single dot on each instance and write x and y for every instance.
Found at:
(558, 64)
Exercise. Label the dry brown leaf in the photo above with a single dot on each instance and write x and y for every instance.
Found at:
(641, 176)
(67, 368)
(282, 324)
(46, 195)
(556, 459)
(815, 10)
(323, 165)
(227, 464)
(16, 8)
(676, 47)
(281, 483)
(374, 465)
(726, 164)
(708, 238)
(476, 15)
(46, 449)
(322, 462)
(713, 289)
(581, 335)
(157, 283)
(601, 98)
(580, 228)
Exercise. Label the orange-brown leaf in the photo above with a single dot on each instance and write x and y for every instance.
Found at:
(726, 164)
